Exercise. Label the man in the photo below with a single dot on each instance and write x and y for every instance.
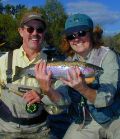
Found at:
(17, 96)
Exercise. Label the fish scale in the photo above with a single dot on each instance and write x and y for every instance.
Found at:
(59, 69)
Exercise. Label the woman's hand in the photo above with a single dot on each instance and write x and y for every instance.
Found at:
(75, 79)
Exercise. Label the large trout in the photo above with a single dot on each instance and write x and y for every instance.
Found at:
(59, 69)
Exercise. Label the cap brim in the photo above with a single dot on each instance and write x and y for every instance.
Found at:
(71, 30)
(34, 18)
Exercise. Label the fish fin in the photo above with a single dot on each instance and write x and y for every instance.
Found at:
(90, 80)
(18, 73)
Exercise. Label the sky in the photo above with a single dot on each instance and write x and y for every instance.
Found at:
(106, 13)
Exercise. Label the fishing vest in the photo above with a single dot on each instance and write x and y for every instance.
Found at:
(101, 115)
(13, 106)
(105, 114)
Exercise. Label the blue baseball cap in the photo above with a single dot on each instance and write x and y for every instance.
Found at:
(78, 22)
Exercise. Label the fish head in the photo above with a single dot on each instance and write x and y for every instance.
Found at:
(99, 71)
(87, 71)
(91, 70)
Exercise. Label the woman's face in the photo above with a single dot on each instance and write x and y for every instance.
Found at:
(80, 42)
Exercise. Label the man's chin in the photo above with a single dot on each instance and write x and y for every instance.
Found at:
(35, 47)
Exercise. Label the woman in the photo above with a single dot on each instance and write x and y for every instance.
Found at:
(99, 102)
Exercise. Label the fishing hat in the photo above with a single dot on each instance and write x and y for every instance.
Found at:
(32, 16)
(78, 22)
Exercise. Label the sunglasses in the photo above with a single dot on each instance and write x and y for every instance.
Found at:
(78, 34)
(31, 29)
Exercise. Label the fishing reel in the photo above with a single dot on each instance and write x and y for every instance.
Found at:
(51, 109)
(32, 108)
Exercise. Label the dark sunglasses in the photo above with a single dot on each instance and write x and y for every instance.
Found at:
(31, 29)
(78, 34)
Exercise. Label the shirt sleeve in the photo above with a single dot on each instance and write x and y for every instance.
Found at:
(0, 85)
(63, 103)
(108, 81)
(65, 99)
(3, 63)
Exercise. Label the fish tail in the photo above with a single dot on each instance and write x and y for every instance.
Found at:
(18, 73)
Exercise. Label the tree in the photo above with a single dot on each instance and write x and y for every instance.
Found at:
(8, 9)
(19, 7)
(116, 40)
(53, 12)
(55, 15)
(8, 34)
(1, 7)
(113, 42)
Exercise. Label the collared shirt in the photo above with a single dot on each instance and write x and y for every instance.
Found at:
(8, 97)
(80, 58)
(20, 59)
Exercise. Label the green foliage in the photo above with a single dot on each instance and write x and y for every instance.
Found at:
(113, 42)
(55, 16)
(1, 7)
(8, 32)
(9, 19)
(11, 15)
(116, 39)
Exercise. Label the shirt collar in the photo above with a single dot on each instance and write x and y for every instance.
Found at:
(22, 53)
(77, 57)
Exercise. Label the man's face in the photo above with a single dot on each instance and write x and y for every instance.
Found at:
(32, 34)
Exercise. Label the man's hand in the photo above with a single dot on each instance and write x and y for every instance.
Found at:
(43, 76)
(31, 97)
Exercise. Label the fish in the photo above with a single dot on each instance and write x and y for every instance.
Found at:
(59, 69)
